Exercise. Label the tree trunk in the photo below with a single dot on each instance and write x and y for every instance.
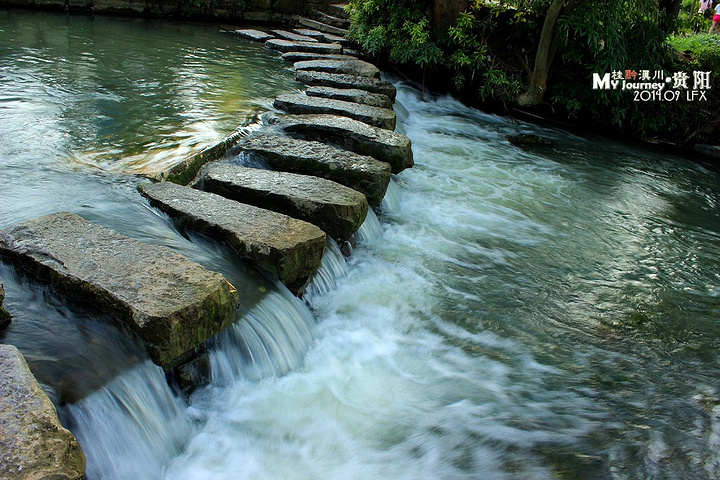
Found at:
(670, 9)
(543, 58)
(445, 12)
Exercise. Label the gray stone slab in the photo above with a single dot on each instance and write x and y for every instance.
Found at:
(173, 304)
(294, 37)
(308, 32)
(338, 10)
(340, 22)
(338, 80)
(355, 67)
(252, 34)
(302, 56)
(354, 135)
(359, 172)
(330, 38)
(335, 208)
(299, 103)
(322, 27)
(33, 443)
(314, 47)
(288, 248)
(351, 95)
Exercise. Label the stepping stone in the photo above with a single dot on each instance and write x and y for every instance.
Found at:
(293, 36)
(313, 47)
(339, 80)
(299, 103)
(33, 442)
(287, 248)
(330, 38)
(353, 135)
(320, 36)
(173, 304)
(255, 35)
(322, 27)
(355, 67)
(334, 21)
(338, 10)
(336, 209)
(351, 95)
(302, 56)
(359, 172)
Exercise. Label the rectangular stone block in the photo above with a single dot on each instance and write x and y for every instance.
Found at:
(173, 304)
(288, 248)
(299, 103)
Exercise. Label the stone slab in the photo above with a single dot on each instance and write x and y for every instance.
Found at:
(353, 135)
(355, 67)
(255, 35)
(338, 10)
(335, 208)
(351, 95)
(340, 22)
(308, 32)
(33, 443)
(338, 80)
(359, 172)
(294, 37)
(303, 56)
(313, 47)
(299, 103)
(288, 248)
(320, 26)
(173, 304)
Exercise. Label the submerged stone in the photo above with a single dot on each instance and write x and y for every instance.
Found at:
(355, 67)
(335, 208)
(340, 80)
(173, 304)
(313, 47)
(288, 248)
(295, 37)
(33, 443)
(350, 95)
(252, 34)
(299, 103)
(359, 172)
(353, 135)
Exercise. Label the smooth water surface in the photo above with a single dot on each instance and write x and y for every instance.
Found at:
(523, 314)
(86, 104)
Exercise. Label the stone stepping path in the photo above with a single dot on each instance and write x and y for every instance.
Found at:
(288, 248)
(294, 37)
(338, 80)
(359, 137)
(300, 103)
(252, 34)
(351, 95)
(338, 10)
(295, 57)
(339, 22)
(336, 209)
(354, 67)
(281, 45)
(359, 172)
(173, 304)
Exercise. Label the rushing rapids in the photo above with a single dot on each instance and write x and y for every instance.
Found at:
(507, 313)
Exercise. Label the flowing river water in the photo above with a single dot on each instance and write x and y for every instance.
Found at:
(542, 313)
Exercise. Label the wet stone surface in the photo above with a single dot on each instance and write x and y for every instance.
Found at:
(336, 209)
(299, 103)
(359, 172)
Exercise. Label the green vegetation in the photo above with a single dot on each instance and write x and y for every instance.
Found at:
(488, 51)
